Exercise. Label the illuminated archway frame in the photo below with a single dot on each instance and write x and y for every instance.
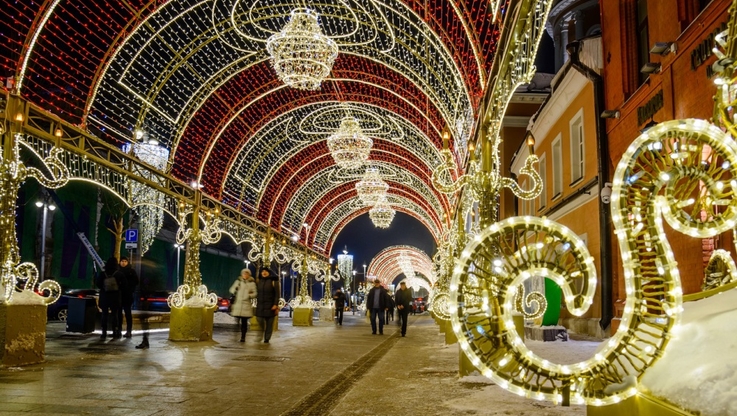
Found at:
(170, 89)
(311, 202)
(346, 211)
(385, 264)
(255, 144)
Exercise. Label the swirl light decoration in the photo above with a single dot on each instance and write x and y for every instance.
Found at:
(301, 54)
(15, 275)
(371, 188)
(382, 214)
(349, 146)
(656, 178)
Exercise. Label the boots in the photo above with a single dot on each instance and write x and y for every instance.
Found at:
(143, 345)
(243, 337)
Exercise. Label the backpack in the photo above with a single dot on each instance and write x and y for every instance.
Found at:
(109, 284)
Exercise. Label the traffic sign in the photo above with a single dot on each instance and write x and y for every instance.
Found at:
(131, 246)
(131, 235)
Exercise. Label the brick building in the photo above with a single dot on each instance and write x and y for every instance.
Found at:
(657, 67)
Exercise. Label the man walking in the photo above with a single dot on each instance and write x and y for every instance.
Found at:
(128, 285)
(403, 299)
(339, 299)
(377, 301)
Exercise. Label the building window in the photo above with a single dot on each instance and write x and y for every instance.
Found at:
(643, 38)
(543, 169)
(577, 149)
(557, 167)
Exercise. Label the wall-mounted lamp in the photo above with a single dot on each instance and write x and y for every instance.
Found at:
(446, 139)
(19, 117)
(663, 48)
(606, 193)
(610, 114)
(58, 132)
(650, 68)
(530, 142)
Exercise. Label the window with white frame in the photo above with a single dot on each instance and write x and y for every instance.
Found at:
(543, 170)
(577, 147)
(557, 167)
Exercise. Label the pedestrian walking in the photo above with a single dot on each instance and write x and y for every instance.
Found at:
(376, 302)
(108, 281)
(403, 299)
(267, 305)
(390, 311)
(244, 289)
(128, 283)
(339, 299)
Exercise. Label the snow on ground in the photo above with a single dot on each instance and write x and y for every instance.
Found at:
(699, 368)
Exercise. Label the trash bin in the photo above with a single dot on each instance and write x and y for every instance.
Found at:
(81, 316)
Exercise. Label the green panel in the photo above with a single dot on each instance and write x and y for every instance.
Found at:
(553, 295)
(219, 272)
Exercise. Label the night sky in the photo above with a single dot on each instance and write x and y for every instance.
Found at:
(364, 240)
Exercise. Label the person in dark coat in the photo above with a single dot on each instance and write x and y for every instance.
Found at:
(403, 298)
(109, 281)
(390, 310)
(339, 299)
(128, 284)
(267, 305)
(376, 302)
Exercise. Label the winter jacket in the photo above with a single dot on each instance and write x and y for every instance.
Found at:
(268, 296)
(128, 283)
(404, 298)
(383, 301)
(244, 291)
(108, 298)
(339, 298)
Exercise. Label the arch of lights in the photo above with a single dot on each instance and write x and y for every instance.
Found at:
(386, 264)
(307, 203)
(344, 211)
(233, 35)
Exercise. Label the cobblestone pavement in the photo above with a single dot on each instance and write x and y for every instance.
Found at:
(324, 369)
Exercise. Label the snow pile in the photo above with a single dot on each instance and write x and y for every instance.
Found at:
(194, 302)
(699, 368)
(224, 318)
(26, 297)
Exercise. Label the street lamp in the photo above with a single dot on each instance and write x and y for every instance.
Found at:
(179, 248)
(284, 282)
(323, 290)
(47, 206)
(353, 303)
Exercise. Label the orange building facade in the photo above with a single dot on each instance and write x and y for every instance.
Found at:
(657, 67)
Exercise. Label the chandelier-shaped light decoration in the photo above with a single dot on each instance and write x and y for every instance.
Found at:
(382, 214)
(301, 54)
(371, 189)
(349, 146)
(146, 200)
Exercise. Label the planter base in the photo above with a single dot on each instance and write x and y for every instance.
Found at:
(302, 317)
(22, 334)
(191, 324)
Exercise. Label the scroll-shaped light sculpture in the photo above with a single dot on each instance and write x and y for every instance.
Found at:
(348, 145)
(719, 271)
(371, 188)
(301, 54)
(382, 214)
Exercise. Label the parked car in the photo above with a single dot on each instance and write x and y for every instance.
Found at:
(59, 310)
(152, 301)
(223, 305)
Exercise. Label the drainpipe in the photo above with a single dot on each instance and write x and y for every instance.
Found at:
(602, 153)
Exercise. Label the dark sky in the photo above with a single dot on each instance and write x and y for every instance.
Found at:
(364, 240)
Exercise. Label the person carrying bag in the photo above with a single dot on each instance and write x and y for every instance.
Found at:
(243, 290)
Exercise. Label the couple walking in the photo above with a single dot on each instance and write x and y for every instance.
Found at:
(265, 291)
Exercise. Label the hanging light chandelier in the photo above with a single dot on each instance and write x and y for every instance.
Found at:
(382, 214)
(349, 146)
(301, 54)
(371, 188)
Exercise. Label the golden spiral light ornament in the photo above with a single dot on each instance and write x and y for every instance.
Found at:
(678, 170)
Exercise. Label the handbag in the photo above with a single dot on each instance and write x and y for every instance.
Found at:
(233, 296)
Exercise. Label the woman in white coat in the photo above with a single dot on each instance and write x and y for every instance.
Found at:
(244, 289)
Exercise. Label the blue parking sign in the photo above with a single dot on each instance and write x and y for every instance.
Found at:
(131, 235)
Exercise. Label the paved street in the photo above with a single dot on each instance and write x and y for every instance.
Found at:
(320, 370)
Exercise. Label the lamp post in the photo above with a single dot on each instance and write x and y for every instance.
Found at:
(179, 248)
(284, 281)
(354, 292)
(323, 289)
(47, 206)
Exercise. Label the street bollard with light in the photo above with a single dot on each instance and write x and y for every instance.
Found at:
(47, 206)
